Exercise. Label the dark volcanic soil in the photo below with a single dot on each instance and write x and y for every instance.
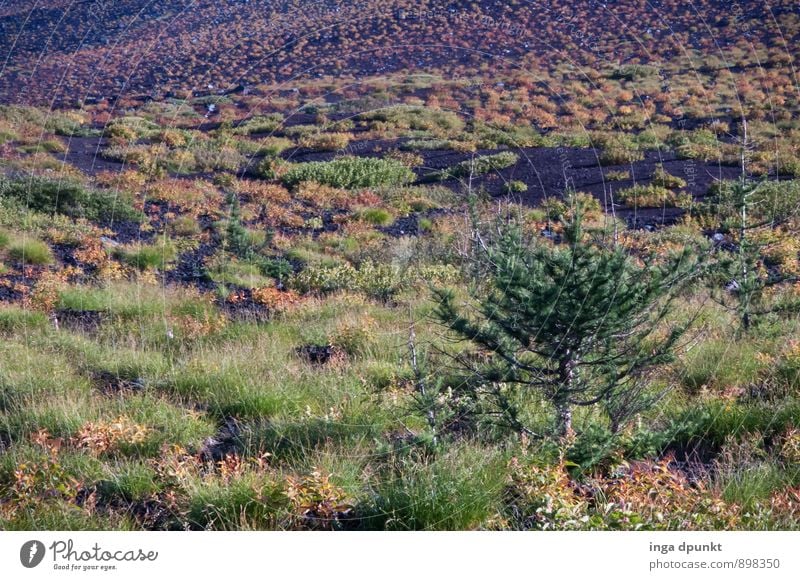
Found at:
(84, 153)
(547, 171)
(550, 171)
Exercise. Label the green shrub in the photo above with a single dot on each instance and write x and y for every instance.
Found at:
(271, 168)
(376, 280)
(185, 226)
(620, 156)
(132, 128)
(698, 144)
(350, 173)
(260, 124)
(426, 144)
(516, 187)
(616, 148)
(6, 135)
(509, 136)
(211, 100)
(632, 72)
(214, 157)
(325, 141)
(272, 146)
(32, 252)
(663, 179)
(712, 423)
(48, 146)
(4, 239)
(770, 201)
(651, 196)
(404, 117)
(314, 223)
(618, 175)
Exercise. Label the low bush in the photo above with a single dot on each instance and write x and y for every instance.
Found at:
(616, 148)
(703, 144)
(618, 175)
(663, 179)
(516, 187)
(402, 117)
(272, 146)
(646, 496)
(350, 173)
(260, 124)
(33, 252)
(633, 72)
(620, 156)
(132, 128)
(476, 166)
(770, 201)
(376, 280)
(325, 141)
(272, 168)
(651, 196)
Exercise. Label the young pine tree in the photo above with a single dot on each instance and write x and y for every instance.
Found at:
(573, 324)
(761, 217)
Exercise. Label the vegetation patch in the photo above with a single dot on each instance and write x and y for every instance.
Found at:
(350, 173)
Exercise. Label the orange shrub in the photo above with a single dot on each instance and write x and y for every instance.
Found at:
(105, 436)
(275, 299)
(317, 502)
(323, 196)
(262, 193)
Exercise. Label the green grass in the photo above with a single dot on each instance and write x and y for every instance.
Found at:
(249, 503)
(14, 319)
(239, 273)
(156, 256)
(376, 216)
(714, 422)
(32, 252)
(131, 481)
(752, 484)
(355, 422)
(461, 490)
(721, 364)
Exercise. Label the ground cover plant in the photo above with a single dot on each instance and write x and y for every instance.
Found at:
(308, 280)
